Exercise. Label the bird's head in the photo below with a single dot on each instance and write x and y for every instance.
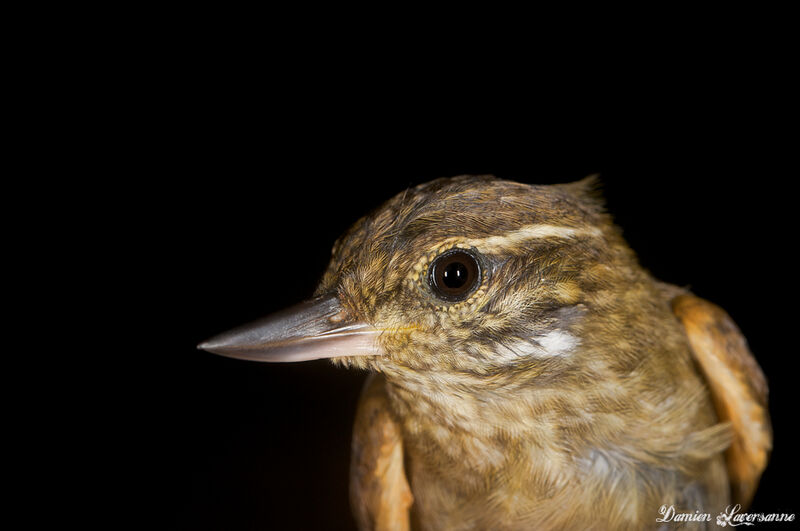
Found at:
(470, 275)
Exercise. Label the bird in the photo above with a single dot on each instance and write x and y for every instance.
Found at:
(525, 371)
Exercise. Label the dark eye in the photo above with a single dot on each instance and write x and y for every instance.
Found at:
(454, 275)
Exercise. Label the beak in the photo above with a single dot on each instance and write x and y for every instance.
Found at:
(318, 328)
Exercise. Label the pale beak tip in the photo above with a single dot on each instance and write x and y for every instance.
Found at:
(210, 346)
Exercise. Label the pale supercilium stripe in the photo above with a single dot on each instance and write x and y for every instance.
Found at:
(529, 232)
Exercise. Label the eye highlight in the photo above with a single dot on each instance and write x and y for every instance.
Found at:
(454, 275)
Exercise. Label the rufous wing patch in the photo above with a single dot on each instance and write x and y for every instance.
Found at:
(379, 491)
(738, 389)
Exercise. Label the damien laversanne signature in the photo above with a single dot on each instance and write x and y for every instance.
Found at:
(731, 516)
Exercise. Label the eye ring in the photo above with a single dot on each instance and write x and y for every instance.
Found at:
(454, 275)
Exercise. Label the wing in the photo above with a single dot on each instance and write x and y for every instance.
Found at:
(379, 492)
(738, 389)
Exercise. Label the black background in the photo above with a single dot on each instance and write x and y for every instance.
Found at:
(235, 199)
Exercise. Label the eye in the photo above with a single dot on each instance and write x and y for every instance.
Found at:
(454, 275)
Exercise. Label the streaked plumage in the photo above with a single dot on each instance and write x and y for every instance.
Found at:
(562, 392)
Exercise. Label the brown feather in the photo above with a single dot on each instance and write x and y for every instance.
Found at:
(561, 394)
(738, 389)
(379, 493)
